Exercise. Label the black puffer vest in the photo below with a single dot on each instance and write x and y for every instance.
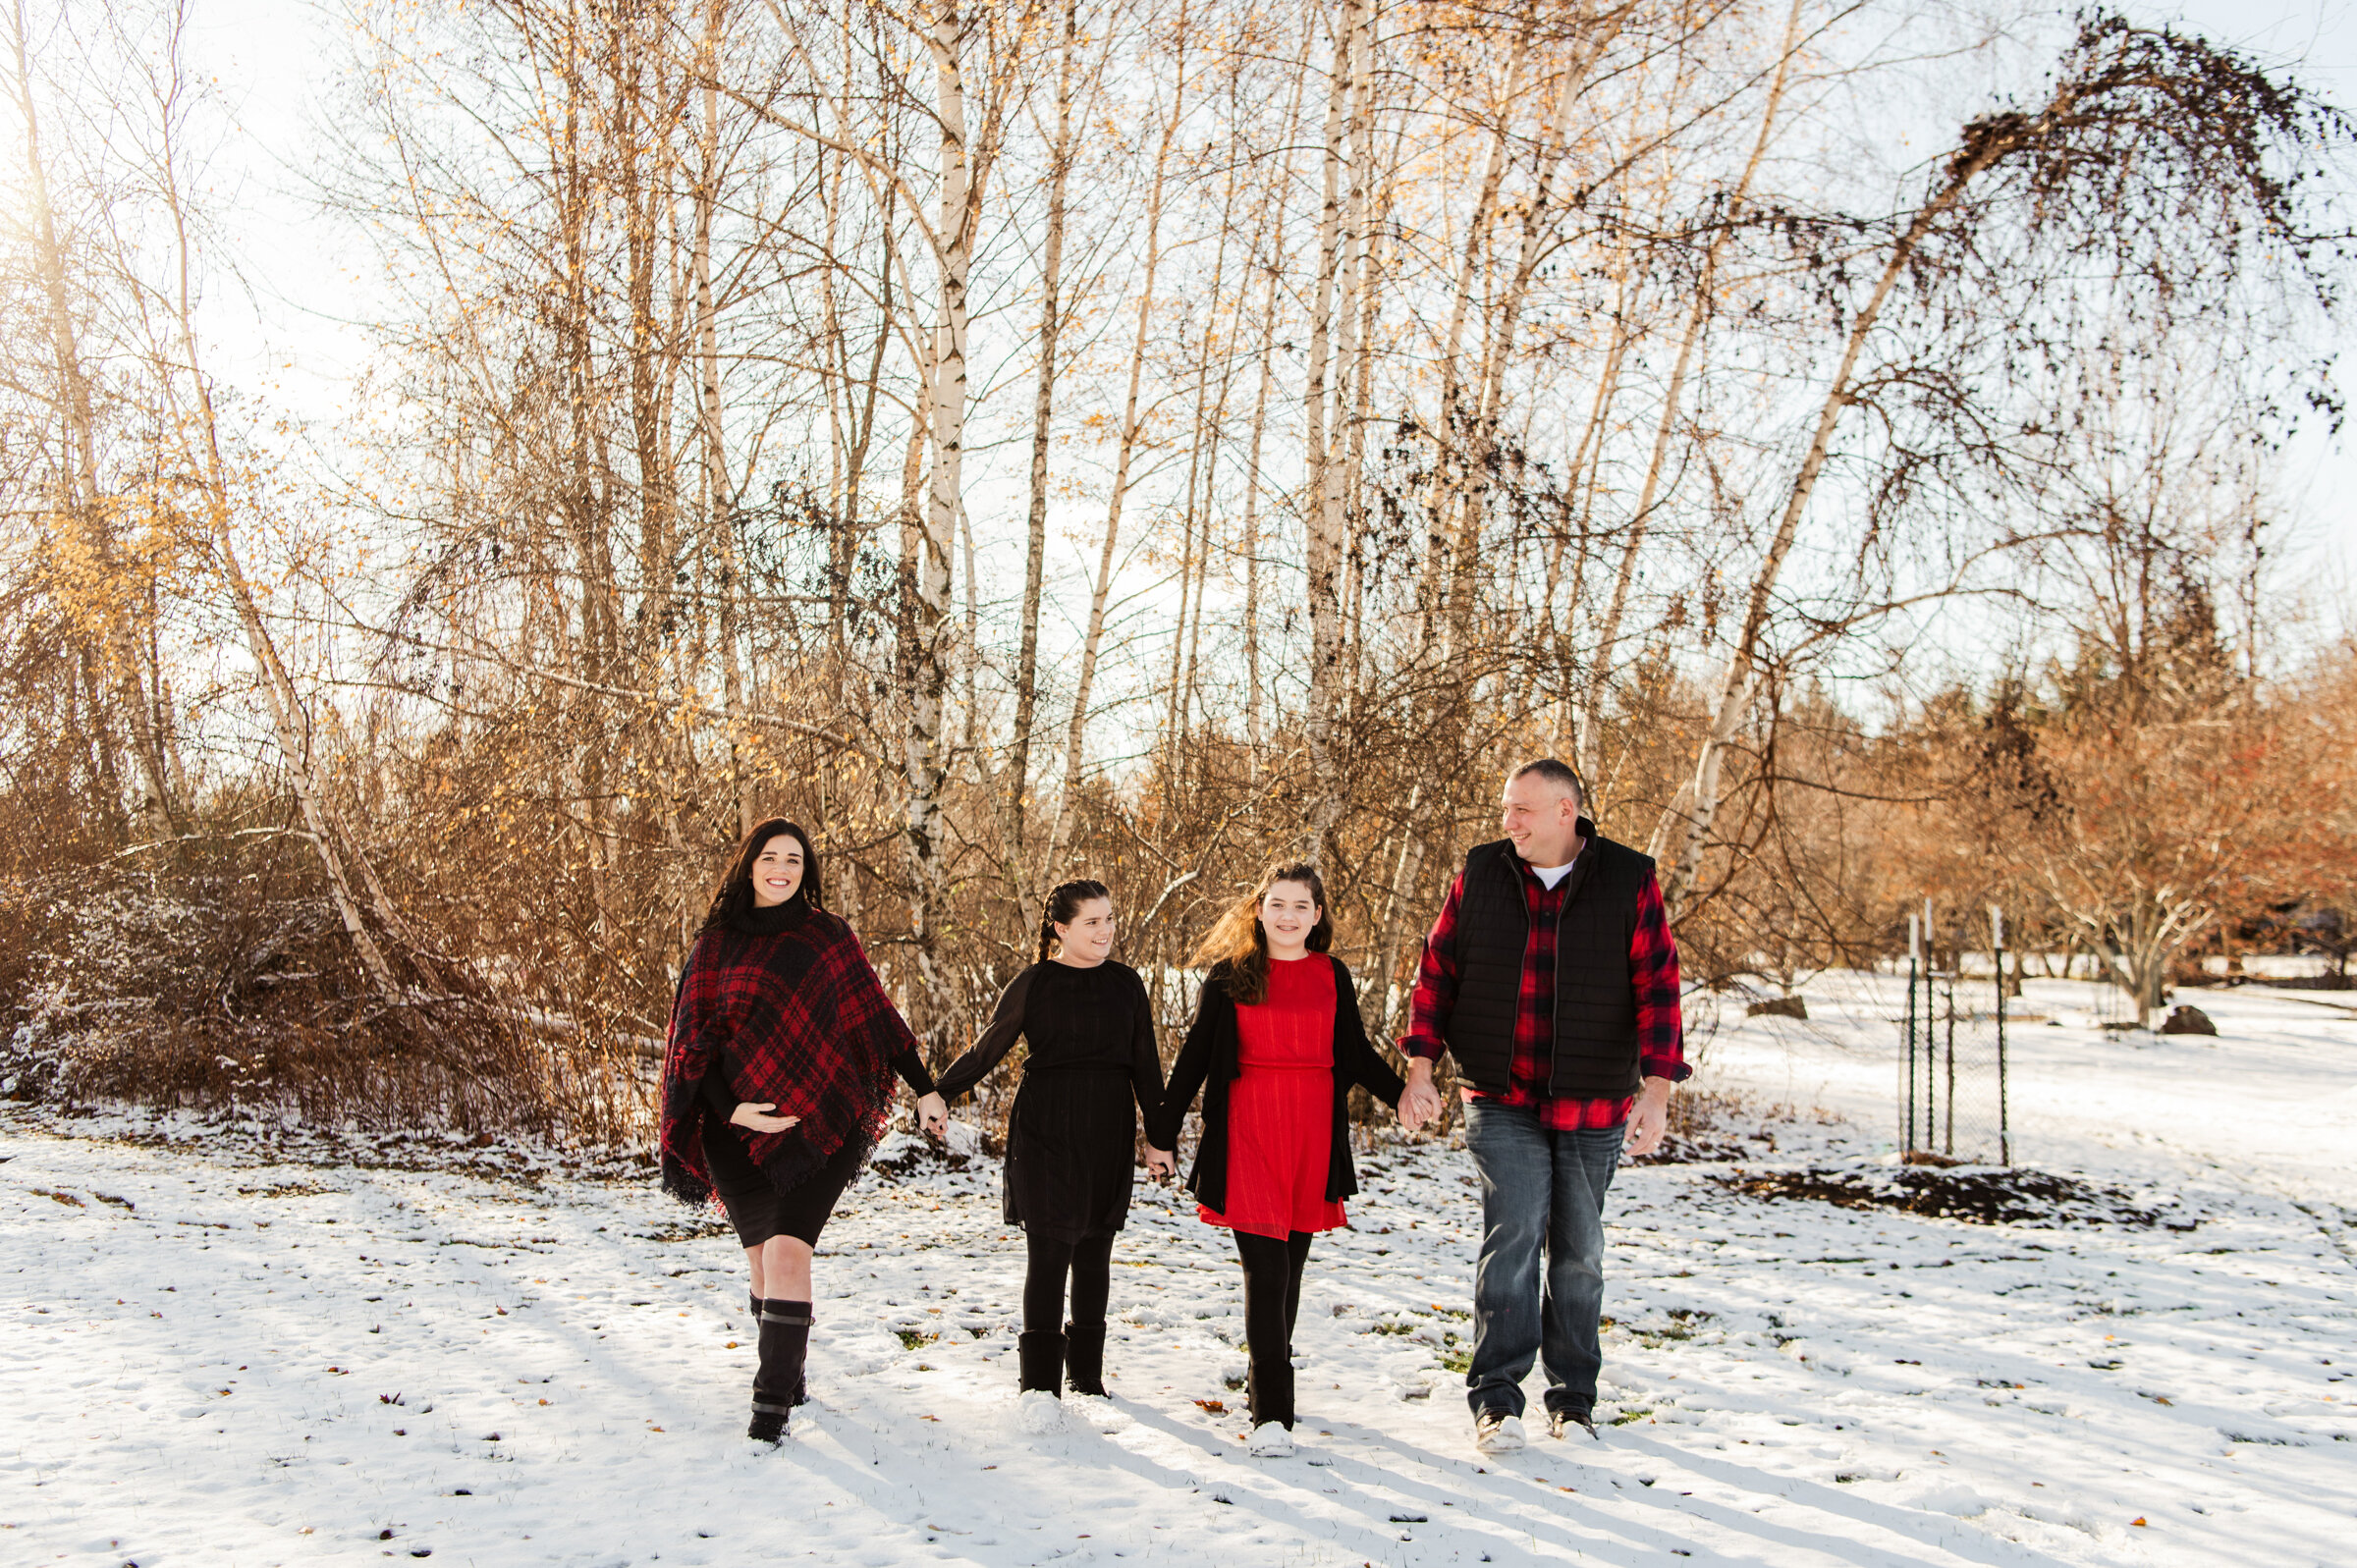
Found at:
(1595, 1002)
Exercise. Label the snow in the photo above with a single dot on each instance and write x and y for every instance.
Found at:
(207, 1349)
(2271, 1103)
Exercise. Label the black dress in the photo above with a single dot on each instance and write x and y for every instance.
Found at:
(754, 1205)
(1071, 1138)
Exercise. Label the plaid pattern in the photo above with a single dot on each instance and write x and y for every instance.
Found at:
(797, 1020)
(1653, 973)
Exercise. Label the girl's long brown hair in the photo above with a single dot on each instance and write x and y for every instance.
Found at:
(1238, 940)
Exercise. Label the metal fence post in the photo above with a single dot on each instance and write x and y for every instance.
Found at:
(1948, 1130)
(2005, 1130)
(1915, 956)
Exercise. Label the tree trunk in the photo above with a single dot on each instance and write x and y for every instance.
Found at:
(1043, 410)
(1255, 731)
(1697, 317)
(1685, 826)
(719, 499)
(1077, 736)
(926, 763)
(1194, 566)
(1455, 418)
(1327, 539)
(1539, 213)
(81, 501)
(210, 472)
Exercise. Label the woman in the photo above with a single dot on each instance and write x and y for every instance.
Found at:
(777, 1081)
(1071, 1136)
(1279, 1038)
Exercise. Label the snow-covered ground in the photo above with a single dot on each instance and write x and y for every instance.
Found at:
(214, 1360)
(2269, 1104)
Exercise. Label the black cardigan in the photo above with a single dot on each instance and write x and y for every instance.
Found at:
(1208, 1062)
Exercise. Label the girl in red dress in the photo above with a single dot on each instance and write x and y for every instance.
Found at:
(1276, 1045)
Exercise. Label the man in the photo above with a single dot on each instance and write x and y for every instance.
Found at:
(1552, 975)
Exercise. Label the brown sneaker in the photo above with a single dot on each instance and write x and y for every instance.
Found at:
(1560, 1422)
(1498, 1432)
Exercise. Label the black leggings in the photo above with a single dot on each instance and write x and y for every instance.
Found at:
(1272, 1290)
(1271, 1302)
(1090, 1263)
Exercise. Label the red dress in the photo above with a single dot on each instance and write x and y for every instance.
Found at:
(1280, 1106)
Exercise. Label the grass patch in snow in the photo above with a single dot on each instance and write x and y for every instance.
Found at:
(1987, 1195)
(1683, 1324)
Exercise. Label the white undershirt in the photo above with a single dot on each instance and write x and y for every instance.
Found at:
(1551, 875)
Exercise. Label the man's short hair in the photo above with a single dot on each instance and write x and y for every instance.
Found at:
(1555, 773)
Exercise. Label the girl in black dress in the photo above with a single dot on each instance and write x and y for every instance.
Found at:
(1071, 1136)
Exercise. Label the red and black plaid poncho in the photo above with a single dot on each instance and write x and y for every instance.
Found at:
(797, 1019)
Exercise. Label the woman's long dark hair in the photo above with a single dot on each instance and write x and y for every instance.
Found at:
(733, 900)
(1238, 939)
(1064, 902)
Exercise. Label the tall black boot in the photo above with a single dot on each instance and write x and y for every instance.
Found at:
(1269, 1388)
(754, 1306)
(1085, 1357)
(778, 1383)
(1040, 1355)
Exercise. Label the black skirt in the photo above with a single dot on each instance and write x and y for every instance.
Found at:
(1071, 1152)
(755, 1207)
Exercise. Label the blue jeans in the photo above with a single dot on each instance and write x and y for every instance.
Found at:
(1541, 1192)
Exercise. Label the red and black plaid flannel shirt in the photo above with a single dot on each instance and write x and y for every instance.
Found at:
(1653, 973)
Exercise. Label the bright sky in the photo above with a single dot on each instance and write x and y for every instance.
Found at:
(2320, 42)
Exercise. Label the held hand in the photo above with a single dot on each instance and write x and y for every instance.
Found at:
(1160, 1163)
(1648, 1119)
(756, 1117)
(1421, 1103)
(933, 1115)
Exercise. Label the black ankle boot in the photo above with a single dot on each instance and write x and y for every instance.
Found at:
(778, 1383)
(1269, 1389)
(1040, 1355)
(1084, 1358)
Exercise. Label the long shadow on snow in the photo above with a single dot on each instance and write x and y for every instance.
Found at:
(1735, 1521)
(1372, 1480)
(875, 1486)
(878, 1485)
(1908, 1523)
